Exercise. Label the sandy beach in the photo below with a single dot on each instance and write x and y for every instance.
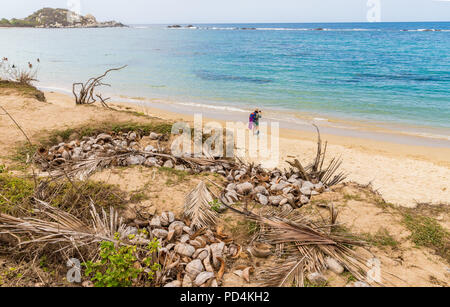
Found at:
(404, 174)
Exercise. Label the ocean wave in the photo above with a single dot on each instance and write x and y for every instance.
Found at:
(214, 107)
(269, 29)
(207, 75)
(427, 135)
(427, 30)
(55, 88)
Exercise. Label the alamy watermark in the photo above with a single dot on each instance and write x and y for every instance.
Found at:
(74, 273)
(235, 140)
(374, 12)
(74, 11)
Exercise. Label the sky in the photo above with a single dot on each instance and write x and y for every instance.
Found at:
(240, 11)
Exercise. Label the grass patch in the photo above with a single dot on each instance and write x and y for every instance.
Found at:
(23, 153)
(245, 228)
(23, 89)
(137, 197)
(14, 193)
(348, 197)
(175, 176)
(425, 231)
(381, 239)
(75, 198)
(349, 276)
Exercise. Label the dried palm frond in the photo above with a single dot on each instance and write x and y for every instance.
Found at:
(307, 243)
(197, 207)
(316, 171)
(288, 273)
(82, 169)
(61, 227)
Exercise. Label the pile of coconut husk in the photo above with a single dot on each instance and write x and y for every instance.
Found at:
(81, 158)
(303, 247)
(191, 257)
(289, 189)
(193, 251)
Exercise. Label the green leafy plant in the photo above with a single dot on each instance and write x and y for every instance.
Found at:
(215, 205)
(119, 266)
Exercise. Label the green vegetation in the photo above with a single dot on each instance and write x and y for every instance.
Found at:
(425, 231)
(354, 197)
(77, 196)
(173, 173)
(17, 23)
(381, 238)
(215, 205)
(309, 284)
(117, 265)
(245, 228)
(349, 276)
(25, 90)
(14, 192)
(137, 197)
(65, 135)
(23, 153)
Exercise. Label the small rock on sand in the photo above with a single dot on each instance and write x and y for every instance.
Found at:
(168, 164)
(334, 266)
(317, 278)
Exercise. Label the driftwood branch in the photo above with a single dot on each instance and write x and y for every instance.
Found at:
(85, 92)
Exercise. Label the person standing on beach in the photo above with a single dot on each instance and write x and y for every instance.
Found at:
(254, 121)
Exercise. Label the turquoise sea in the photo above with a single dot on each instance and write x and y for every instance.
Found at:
(389, 73)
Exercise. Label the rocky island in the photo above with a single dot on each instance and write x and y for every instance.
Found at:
(58, 18)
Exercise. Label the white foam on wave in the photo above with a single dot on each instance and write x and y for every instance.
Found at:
(215, 107)
(427, 135)
(55, 88)
(427, 30)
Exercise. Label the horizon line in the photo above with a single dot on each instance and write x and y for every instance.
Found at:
(278, 22)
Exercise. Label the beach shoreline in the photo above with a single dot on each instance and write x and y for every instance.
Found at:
(404, 174)
(437, 153)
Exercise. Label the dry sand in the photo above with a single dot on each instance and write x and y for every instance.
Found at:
(403, 174)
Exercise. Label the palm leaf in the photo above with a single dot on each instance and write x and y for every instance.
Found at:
(197, 207)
